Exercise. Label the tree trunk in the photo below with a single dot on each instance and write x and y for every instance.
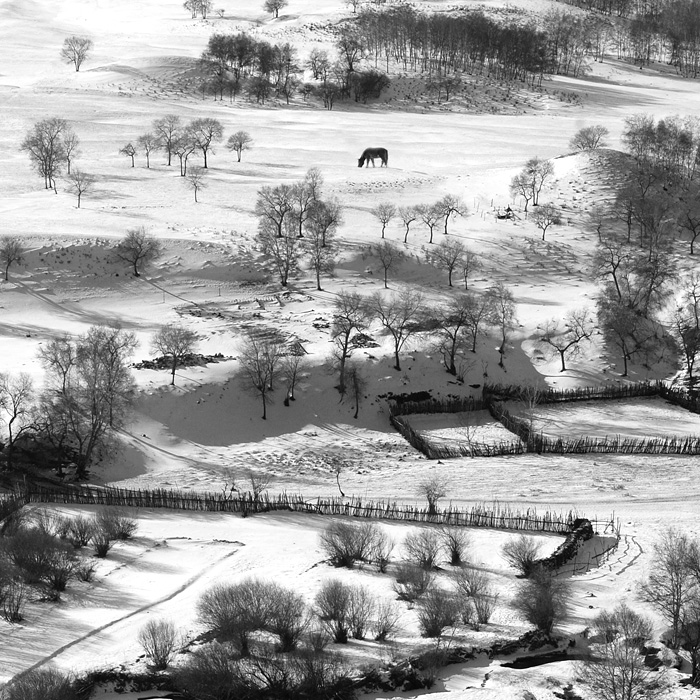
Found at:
(563, 366)
(397, 366)
(172, 382)
(205, 158)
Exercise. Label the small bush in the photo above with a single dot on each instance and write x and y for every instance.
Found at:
(521, 553)
(40, 557)
(623, 621)
(380, 551)
(333, 608)
(48, 521)
(41, 684)
(411, 582)
(80, 530)
(485, 605)
(287, 616)
(423, 548)
(159, 639)
(317, 638)
(386, 621)
(116, 523)
(360, 611)
(101, 543)
(211, 673)
(455, 541)
(13, 598)
(344, 543)
(437, 610)
(542, 600)
(470, 582)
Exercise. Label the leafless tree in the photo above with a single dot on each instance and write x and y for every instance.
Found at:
(303, 197)
(139, 249)
(589, 138)
(539, 171)
(688, 217)
(390, 258)
(175, 340)
(292, 365)
(357, 385)
(183, 147)
(325, 216)
(239, 142)
(16, 404)
(320, 248)
(274, 6)
(260, 359)
(479, 315)
(471, 262)
(129, 150)
(196, 180)
(159, 639)
(408, 215)
(451, 205)
(351, 314)
(521, 186)
(70, 146)
(199, 6)
(433, 489)
(384, 213)
(79, 183)
(149, 143)
(452, 327)
(284, 251)
(578, 326)
(447, 255)
(273, 206)
(401, 314)
(429, 214)
(46, 148)
(205, 132)
(75, 50)
(167, 129)
(546, 215)
(11, 251)
(502, 308)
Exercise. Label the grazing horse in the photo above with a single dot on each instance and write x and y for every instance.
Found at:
(369, 154)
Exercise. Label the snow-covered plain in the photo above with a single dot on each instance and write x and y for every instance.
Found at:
(206, 432)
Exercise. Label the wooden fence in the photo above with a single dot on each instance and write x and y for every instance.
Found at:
(496, 515)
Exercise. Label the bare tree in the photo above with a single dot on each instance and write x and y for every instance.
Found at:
(351, 314)
(303, 197)
(688, 217)
(384, 213)
(168, 129)
(79, 183)
(589, 138)
(183, 147)
(159, 639)
(539, 171)
(16, 404)
(502, 307)
(273, 206)
(325, 216)
(284, 251)
(390, 258)
(546, 215)
(130, 151)
(239, 142)
(46, 148)
(451, 205)
(174, 340)
(11, 251)
(149, 143)
(452, 328)
(205, 132)
(139, 249)
(408, 216)
(471, 262)
(75, 50)
(429, 214)
(292, 365)
(521, 186)
(274, 6)
(260, 358)
(578, 326)
(479, 315)
(196, 180)
(401, 314)
(433, 489)
(447, 255)
(320, 247)
(357, 384)
(70, 147)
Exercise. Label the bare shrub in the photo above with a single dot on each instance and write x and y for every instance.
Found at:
(116, 523)
(456, 541)
(345, 543)
(317, 638)
(433, 488)
(235, 611)
(159, 639)
(623, 621)
(361, 610)
(212, 673)
(48, 521)
(411, 582)
(85, 571)
(381, 550)
(79, 530)
(41, 557)
(13, 598)
(542, 600)
(386, 620)
(41, 684)
(521, 553)
(287, 616)
(322, 675)
(101, 543)
(423, 548)
(470, 582)
(485, 605)
(60, 569)
(437, 610)
(333, 603)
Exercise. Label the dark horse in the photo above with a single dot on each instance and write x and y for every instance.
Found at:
(369, 154)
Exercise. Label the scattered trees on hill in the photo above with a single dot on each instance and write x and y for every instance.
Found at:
(183, 147)
(167, 130)
(451, 205)
(75, 50)
(11, 251)
(589, 138)
(578, 326)
(139, 249)
(430, 215)
(274, 7)
(45, 144)
(448, 255)
(408, 215)
(197, 7)
(239, 142)
(401, 315)
(176, 341)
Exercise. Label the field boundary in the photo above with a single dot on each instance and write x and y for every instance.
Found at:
(494, 396)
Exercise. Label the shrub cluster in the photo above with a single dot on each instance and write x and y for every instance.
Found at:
(345, 543)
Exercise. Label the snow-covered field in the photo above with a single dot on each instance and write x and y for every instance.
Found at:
(206, 432)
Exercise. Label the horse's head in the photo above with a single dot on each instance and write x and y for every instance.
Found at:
(360, 162)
